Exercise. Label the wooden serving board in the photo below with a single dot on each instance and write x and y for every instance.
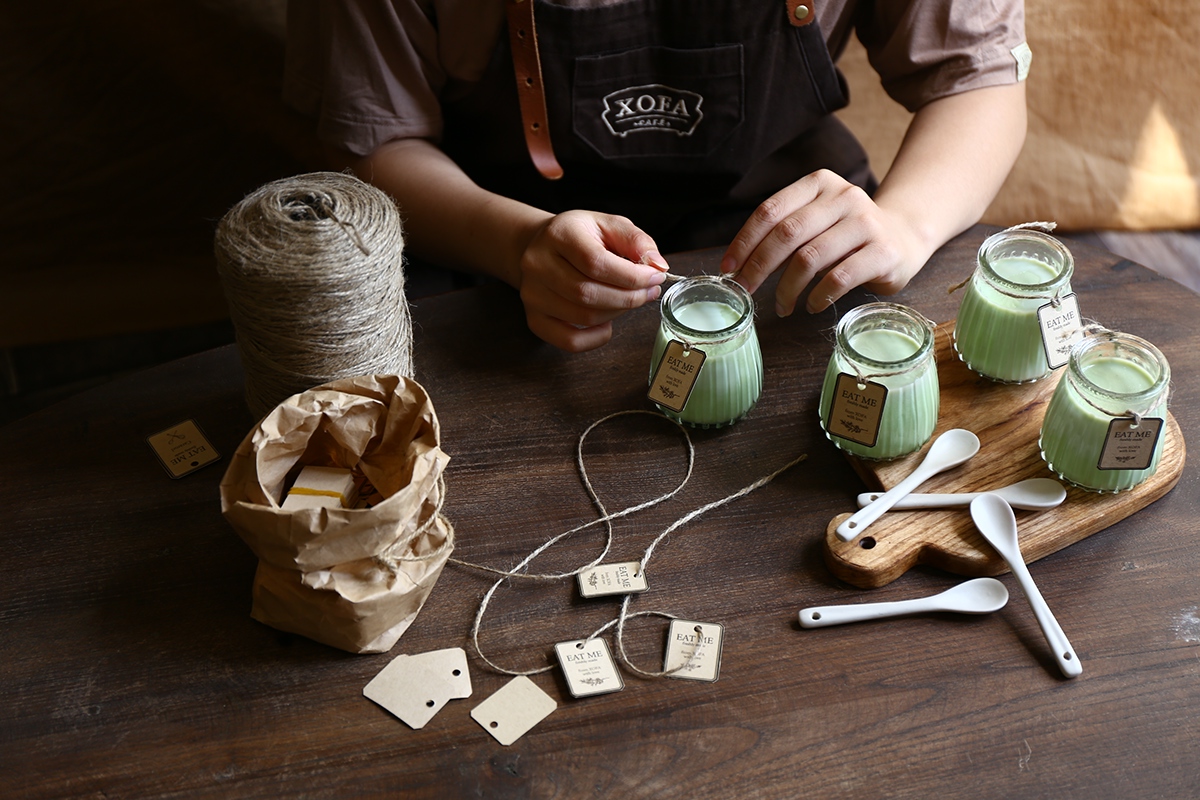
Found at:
(1007, 419)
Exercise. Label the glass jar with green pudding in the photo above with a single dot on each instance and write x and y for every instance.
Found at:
(1103, 429)
(997, 333)
(880, 396)
(714, 316)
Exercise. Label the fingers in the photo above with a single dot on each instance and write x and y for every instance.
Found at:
(568, 337)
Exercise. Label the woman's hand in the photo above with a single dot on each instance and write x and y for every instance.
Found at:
(822, 225)
(581, 270)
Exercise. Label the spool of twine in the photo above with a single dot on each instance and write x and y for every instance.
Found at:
(312, 268)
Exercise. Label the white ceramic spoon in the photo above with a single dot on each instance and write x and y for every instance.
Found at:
(949, 450)
(1032, 494)
(995, 520)
(978, 596)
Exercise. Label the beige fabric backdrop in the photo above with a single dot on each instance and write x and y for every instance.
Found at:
(1114, 117)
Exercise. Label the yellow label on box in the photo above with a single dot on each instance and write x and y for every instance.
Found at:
(182, 449)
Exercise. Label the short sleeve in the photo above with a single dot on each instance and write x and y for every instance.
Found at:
(372, 71)
(927, 49)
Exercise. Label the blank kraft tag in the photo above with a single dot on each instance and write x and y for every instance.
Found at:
(416, 687)
(513, 710)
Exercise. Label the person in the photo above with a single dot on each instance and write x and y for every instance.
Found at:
(677, 125)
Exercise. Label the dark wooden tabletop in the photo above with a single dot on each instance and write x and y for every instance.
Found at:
(130, 667)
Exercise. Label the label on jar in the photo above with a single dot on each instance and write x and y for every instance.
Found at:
(856, 409)
(676, 375)
(1130, 443)
(1061, 328)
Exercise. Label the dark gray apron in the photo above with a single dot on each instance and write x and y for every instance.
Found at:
(682, 115)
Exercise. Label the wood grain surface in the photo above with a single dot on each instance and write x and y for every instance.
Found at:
(1007, 419)
(130, 667)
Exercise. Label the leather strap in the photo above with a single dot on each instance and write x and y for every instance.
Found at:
(522, 37)
(801, 12)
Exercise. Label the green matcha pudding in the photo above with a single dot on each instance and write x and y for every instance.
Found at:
(882, 359)
(1109, 376)
(997, 332)
(716, 316)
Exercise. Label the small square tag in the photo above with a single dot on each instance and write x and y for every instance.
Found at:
(513, 710)
(602, 580)
(589, 667)
(1129, 447)
(694, 650)
(676, 375)
(182, 449)
(855, 411)
(414, 688)
(1061, 327)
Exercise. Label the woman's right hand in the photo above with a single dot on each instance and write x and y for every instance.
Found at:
(583, 269)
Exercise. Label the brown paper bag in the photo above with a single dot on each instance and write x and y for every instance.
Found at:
(353, 578)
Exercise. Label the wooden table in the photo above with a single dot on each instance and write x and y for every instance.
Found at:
(129, 665)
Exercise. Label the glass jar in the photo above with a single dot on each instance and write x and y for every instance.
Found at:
(880, 396)
(715, 316)
(1108, 413)
(997, 333)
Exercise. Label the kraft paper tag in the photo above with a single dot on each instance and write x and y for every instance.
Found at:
(603, 580)
(1127, 447)
(513, 710)
(694, 647)
(854, 412)
(182, 449)
(589, 667)
(414, 688)
(1060, 328)
(676, 376)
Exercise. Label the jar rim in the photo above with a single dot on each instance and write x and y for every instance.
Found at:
(717, 284)
(984, 260)
(1151, 354)
(892, 311)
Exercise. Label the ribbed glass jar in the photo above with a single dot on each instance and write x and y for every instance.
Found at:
(891, 345)
(1110, 376)
(997, 332)
(714, 315)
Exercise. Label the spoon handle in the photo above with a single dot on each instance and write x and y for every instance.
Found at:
(1064, 654)
(918, 500)
(823, 616)
(858, 521)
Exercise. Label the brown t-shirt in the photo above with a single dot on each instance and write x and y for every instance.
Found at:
(373, 71)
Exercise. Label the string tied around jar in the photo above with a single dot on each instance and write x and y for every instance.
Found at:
(1044, 227)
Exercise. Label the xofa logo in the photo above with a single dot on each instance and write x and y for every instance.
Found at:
(652, 108)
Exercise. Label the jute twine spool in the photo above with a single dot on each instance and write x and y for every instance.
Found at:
(312, 268)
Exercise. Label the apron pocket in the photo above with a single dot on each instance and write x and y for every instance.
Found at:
(676, 106)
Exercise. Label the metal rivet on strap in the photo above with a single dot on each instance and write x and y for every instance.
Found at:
(801, 12)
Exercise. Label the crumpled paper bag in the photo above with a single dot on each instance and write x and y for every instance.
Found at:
(352, 578)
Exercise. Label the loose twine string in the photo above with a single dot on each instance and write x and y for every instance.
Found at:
(312, 268)
(606, 519)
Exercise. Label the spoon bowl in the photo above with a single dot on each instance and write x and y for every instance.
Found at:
(977, 596)
(995, 520)
(1031, 494)
(952, 448)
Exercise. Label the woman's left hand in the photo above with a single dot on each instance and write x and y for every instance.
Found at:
(823, 225)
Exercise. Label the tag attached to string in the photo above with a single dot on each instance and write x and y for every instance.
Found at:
(589, 667)
(1130, 442)
(625, 577)
(676, 375)
(694, 650)
(856, 409)
(1061, 327)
